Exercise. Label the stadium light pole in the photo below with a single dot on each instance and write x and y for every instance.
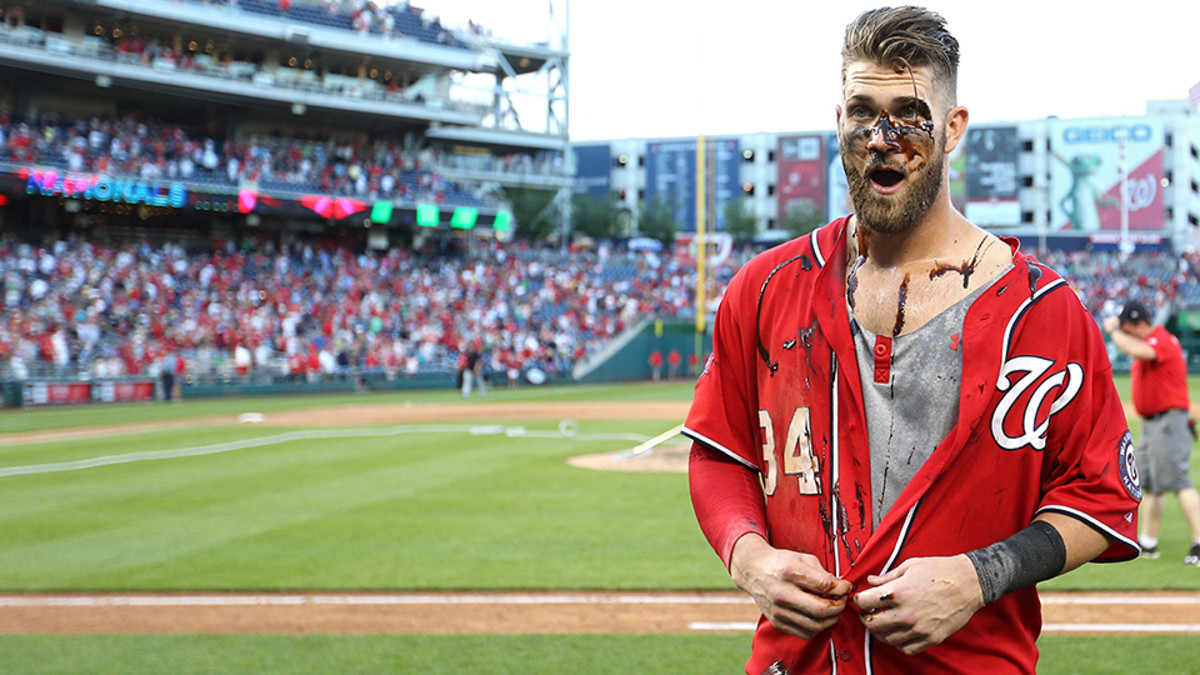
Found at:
(563, 28)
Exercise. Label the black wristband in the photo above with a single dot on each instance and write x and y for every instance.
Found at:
(1034, 554)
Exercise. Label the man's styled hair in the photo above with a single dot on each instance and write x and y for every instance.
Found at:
(910, 36)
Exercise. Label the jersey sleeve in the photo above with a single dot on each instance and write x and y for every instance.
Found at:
(1089, 471)
(721, 414)
(1160, 347)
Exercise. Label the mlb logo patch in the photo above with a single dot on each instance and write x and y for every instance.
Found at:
(1128, 464)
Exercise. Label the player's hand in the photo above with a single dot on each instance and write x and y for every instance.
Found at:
(920, 603)
(795, 593)
(1111, 323)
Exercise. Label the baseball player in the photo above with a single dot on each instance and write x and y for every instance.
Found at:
(1160, 395)
(906, 423)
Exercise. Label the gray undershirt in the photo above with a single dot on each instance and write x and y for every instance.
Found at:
(912, 413)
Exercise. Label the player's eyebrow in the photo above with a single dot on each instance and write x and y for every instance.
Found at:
(893, 103)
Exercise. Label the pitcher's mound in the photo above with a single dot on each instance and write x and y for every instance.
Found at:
(663, 459)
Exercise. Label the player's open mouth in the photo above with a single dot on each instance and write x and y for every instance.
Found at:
(885, 179)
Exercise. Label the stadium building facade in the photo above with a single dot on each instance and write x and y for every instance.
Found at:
(1055, 183)
(256, 120)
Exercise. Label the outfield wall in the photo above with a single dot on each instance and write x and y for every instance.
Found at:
(632, 361)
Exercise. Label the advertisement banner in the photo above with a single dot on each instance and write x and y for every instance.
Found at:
(124, 391)
(991, 176)
(1088, 159)
(56, 393)
(801, 180)
(593, 169)
(671, 178)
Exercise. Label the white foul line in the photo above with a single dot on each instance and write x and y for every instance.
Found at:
(474, 430)
(1121, 628)
(1119, 600)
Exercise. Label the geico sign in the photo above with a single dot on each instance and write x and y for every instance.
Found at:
(1108, 134)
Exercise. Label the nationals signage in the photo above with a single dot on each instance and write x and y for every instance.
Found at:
(50, 183)
(1088, 160)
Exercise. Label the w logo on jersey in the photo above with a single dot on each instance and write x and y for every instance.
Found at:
(1024, 406)
(1034, 388)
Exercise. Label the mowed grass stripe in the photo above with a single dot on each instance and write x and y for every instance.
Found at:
(157, 512)
(394, 512)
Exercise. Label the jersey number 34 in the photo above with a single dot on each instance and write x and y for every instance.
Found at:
(797, 453)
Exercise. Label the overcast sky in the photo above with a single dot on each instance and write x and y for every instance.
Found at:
(659, 68)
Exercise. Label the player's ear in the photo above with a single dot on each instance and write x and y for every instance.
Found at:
(956, 127)
(838, 114)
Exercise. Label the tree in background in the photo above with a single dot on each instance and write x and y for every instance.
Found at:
(535, 212)
(802, 218)
(739, 222)
(657, 221)
(597, 217)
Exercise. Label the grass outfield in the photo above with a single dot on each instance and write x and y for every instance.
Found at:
(526, 654)
(416, 511)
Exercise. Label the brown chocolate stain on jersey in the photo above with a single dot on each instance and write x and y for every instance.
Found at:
(763, 353)
(843, 517)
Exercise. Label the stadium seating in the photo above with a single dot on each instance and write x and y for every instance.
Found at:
(86, 309)
(133, 145)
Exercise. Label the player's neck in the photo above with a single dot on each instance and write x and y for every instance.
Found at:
(941, 232)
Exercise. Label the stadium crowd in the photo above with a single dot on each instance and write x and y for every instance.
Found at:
(78, 308)
(153, 150)
(83, 308)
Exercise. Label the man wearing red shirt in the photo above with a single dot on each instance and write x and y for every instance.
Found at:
(905, 423)
(1160, 395)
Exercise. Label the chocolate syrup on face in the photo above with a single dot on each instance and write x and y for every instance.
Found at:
(892, 130)
(889, 132)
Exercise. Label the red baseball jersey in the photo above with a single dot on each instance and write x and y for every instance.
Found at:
(1040, 428)
(1160, 385)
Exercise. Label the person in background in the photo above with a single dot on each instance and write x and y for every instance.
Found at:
(1160, 396)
